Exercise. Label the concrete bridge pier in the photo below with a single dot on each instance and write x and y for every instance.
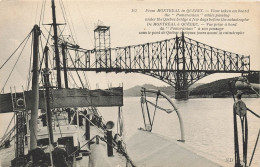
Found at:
(181, 87)
(181, 94)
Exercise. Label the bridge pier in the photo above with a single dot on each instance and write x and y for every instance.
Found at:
(181, 94)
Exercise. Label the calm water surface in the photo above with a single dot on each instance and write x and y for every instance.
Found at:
(208, 124)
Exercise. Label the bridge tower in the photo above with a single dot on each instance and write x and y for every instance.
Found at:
(181, 87)
(102, 47)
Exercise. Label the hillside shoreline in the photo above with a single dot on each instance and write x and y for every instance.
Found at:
(216, 89)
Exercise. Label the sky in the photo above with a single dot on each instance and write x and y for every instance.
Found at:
(18, 17)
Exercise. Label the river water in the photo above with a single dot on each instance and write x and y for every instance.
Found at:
(208, 124)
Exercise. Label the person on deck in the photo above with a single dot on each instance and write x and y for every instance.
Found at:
(38, 157)
(118, 140)
(99, 121)
(59, 156)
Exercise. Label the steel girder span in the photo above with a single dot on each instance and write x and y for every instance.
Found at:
(179, 61)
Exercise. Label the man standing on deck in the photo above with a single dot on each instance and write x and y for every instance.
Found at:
(38, 157)
(59, 156)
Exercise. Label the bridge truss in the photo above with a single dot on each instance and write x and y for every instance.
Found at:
(178, 61)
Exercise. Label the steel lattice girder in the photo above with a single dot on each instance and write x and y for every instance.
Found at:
(179, 61)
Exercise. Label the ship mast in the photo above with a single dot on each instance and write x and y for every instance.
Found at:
(35, 89)
(56, 49)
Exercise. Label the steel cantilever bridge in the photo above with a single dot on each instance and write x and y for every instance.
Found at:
(179, 61)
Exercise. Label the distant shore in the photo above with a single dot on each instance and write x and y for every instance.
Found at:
(216, 89)
(212, 96)
(205, 96)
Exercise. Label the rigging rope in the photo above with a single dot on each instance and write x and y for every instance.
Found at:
(82, 146)
(62, 5)
(15, 63)
(70, 74)
(119, 150)
(7, 129)
(47, 42)
(87, 81)
(86, 27)
(65, 16)
(41, 62)
(253, 113)
(254, 148)
(48, 31)
(47, 39)
(91, 122)
(51, 62)
(72, 25)
(76, 70)
(62, 11)
(41, 12)
(61, 32)
(15, 50)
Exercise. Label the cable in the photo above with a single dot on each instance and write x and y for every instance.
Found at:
(86, 27)
(83, 145)
(61, 32)
(73, 27)
(253, 113)
(92, 123)
(41, 13)
(47, 43)
(63, 14)
(254, 148)
(47, 39)
(76, 70)
(67, 20)
(44, 15)
(42, 55)
(14, 65)
(7, 128)
(73, 79)
(15, 51)
(86, 78)
(119, 150)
